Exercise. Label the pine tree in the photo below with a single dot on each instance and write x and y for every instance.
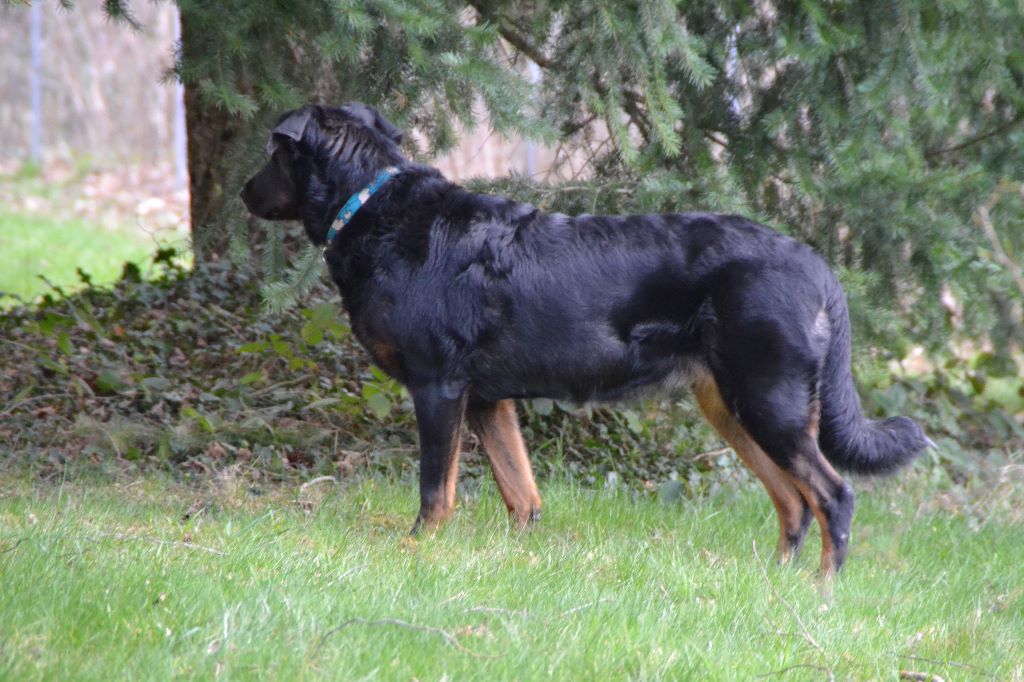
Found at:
(887, 134)
(880, 132)
(424, 63)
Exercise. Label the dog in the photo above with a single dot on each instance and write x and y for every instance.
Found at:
(472, 301)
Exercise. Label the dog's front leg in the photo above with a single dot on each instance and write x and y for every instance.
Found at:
(439, 417)
(497, 427)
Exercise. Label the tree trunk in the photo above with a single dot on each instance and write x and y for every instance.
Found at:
(212, 131)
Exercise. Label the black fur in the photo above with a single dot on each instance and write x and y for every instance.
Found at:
(475, 299)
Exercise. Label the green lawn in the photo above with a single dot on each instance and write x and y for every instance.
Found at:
(34, 245)
(102, 580)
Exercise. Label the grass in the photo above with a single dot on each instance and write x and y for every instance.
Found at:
(102, 579)
(56, 247)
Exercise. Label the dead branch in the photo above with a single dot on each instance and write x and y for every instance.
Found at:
(122, 537)
(803, 628)
(983, 218)
(828, 671)
(315, 481)
(448, 637)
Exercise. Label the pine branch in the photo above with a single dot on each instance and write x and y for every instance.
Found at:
(638, 116)
(118, 10)
(509, 32)
(983, 218)
(630, 104)
(273, 259)
(999, 130)
(282, 294)
(571, 129)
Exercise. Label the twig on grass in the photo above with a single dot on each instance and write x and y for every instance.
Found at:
(121, 537)
(783, 633)
(315, 481)
(20, 345)
(345, 574)
(14, 406)
(301, 498)
(915, 676)
(492, 609)
(281, 384)
(523, 613)
(583, 606)
(951, 664)
(803, 628)
(711, 454)
(448, 637)
(455, 597)
(819, 668)
(13, 546)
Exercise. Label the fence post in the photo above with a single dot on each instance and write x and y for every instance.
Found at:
(531, 147)
(35, 140)
(180, 133)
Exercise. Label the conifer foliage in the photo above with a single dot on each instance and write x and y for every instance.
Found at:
(426, 63)
(880, 132)
(888, 134)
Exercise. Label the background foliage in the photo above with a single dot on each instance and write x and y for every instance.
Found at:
(877, 131)
(183, 371)
(887, 134)
(243, 63)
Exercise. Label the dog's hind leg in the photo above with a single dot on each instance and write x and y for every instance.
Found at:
(793, 511)
(439, 418)
(780, 414)
(766, 346)
(497, 427)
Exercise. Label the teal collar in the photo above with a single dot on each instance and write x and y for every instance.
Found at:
(356, 201)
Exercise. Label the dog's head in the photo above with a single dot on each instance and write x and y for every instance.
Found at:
(319, 156)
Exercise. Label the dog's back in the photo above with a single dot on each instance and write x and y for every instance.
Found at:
(601, 307)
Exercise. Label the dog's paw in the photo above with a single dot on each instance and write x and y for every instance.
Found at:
(525, 519)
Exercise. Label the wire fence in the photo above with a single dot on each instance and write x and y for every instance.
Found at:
(76, 87)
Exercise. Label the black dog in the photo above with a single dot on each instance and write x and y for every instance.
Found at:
(472, 300)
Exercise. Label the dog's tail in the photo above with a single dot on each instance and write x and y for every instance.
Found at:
(848, 439)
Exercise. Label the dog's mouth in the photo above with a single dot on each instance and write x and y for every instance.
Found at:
(271, 214)
(253, 209)
(271, 195)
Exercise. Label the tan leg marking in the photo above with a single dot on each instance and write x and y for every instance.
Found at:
(787, 498)
(816, 479)
(497, 426)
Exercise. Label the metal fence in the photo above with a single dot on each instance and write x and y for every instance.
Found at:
(75, 86)
(72, 84)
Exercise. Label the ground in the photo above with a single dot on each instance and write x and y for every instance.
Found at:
(65, 216)
(192, 487)
(142, 575)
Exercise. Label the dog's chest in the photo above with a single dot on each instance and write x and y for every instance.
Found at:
(411, 330)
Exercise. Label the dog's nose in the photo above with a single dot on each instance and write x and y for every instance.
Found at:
(243, 194)
(246, 192)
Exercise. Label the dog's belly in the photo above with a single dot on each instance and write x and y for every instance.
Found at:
(587, 365)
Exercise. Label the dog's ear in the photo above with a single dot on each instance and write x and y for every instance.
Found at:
(292, 126)
(374, 119)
